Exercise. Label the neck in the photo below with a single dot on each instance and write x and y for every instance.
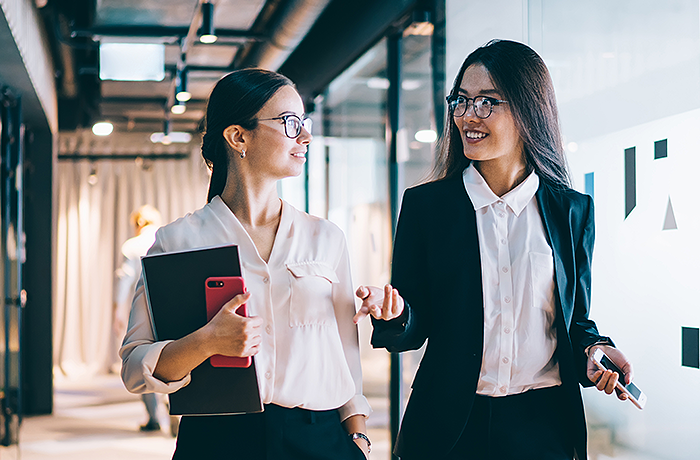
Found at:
(502, 176)
(254, 203)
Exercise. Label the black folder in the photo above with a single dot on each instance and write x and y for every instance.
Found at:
(174, 284)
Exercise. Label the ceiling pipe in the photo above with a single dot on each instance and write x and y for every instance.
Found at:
(292, 24)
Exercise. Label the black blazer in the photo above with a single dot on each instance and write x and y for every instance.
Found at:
(436, 268)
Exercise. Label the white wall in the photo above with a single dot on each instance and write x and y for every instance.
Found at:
(626, 75)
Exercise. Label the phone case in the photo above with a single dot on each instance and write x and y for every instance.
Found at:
(218, 291)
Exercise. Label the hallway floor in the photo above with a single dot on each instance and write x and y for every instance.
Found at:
(99, 419)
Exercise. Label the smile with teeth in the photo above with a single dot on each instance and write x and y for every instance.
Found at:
(475, 135)
(299, 154)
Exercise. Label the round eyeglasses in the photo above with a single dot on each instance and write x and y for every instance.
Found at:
(483, 105)
(293, 124)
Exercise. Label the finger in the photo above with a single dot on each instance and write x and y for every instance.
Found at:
(394, 303)
(362, 292)
(254, 321)
(237, 301)
(629, 372)
(603, 381)
(386, 305)
(360, 315)
(612, 382)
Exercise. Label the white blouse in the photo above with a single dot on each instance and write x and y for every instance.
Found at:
(517, 270)
(309, 356)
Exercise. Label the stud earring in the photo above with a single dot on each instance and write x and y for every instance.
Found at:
(242, 154)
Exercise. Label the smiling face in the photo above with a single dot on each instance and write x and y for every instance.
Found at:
(495, 138)
(268, 150)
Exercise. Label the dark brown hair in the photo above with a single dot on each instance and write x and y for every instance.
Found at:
(235, 100)
(522, 78)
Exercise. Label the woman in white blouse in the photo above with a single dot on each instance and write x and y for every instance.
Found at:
(299, 297)
(492, 267)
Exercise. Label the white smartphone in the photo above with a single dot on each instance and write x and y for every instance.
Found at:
(632, 391)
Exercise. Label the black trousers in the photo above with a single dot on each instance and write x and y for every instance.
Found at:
(534, 425)
(277, 433)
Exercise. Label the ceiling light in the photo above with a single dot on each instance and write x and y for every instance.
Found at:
(179, 108)
(181, 93)
(426, 136)
(378, 83)
(208, 34)
(410, 85)
(176, 137)
(132, 61)
(103, 128)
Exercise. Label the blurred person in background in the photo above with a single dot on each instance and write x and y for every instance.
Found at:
(145, 221)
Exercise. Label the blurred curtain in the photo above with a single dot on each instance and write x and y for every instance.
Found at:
(93, 223)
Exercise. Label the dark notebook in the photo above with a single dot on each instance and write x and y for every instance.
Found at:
(174, 285)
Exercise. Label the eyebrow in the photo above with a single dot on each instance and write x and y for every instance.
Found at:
(482, 92)
(289, 112)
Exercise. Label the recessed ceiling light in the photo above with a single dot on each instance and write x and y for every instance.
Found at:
(103, 128)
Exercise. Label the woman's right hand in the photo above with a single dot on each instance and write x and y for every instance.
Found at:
(385, 304)
(231, 334)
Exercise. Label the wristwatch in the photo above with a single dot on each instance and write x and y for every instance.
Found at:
(359, 435)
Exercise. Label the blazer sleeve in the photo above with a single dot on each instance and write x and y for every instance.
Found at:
(409, 276)
(583, 330)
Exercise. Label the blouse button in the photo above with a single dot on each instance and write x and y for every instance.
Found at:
(503, 389)
(268, 375)
(268, 329)
(507, 299)
(266, 280)
(505, 360)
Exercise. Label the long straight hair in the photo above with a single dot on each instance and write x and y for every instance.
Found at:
(522, 78)
(235, 100)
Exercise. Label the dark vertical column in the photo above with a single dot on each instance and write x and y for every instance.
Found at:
(394, 124)
(630, 180)
(438, 63)
(39, 272)
(690, 340)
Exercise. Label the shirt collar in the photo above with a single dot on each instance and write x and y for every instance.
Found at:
(481, 195)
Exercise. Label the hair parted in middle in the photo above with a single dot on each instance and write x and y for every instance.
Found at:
(522, 78)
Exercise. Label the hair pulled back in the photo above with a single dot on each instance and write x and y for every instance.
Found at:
(522, 78)
(235, 100)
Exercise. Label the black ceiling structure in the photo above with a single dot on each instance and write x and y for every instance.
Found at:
(311, 41)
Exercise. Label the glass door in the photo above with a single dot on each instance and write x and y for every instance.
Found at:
(12, 258)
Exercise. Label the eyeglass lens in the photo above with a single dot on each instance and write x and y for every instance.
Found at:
(482, 106)
(293, 125)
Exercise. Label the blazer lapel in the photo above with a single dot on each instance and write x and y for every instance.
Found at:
(545, 201)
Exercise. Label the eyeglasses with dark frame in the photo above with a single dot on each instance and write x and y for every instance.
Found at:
(292, 124)
(483, 105)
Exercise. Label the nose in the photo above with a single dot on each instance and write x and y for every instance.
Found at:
(470, 105)
(304, 137)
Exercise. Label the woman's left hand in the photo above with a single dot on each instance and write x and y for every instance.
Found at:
(606, 380)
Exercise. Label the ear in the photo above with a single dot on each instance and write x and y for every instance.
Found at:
(236, 136)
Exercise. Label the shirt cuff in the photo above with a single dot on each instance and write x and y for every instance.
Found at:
(358, 405)
(149, 363)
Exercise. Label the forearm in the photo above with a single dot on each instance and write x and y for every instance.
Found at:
(178, 358)
(357, 424)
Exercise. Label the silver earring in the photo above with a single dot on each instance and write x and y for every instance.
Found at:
(242, 154)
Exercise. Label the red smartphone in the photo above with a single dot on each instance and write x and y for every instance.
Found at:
(219, 290)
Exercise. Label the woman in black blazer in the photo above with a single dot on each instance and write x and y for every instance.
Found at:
(492, 261)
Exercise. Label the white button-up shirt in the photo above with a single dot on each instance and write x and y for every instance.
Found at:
(309, 356)
(517, 269)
